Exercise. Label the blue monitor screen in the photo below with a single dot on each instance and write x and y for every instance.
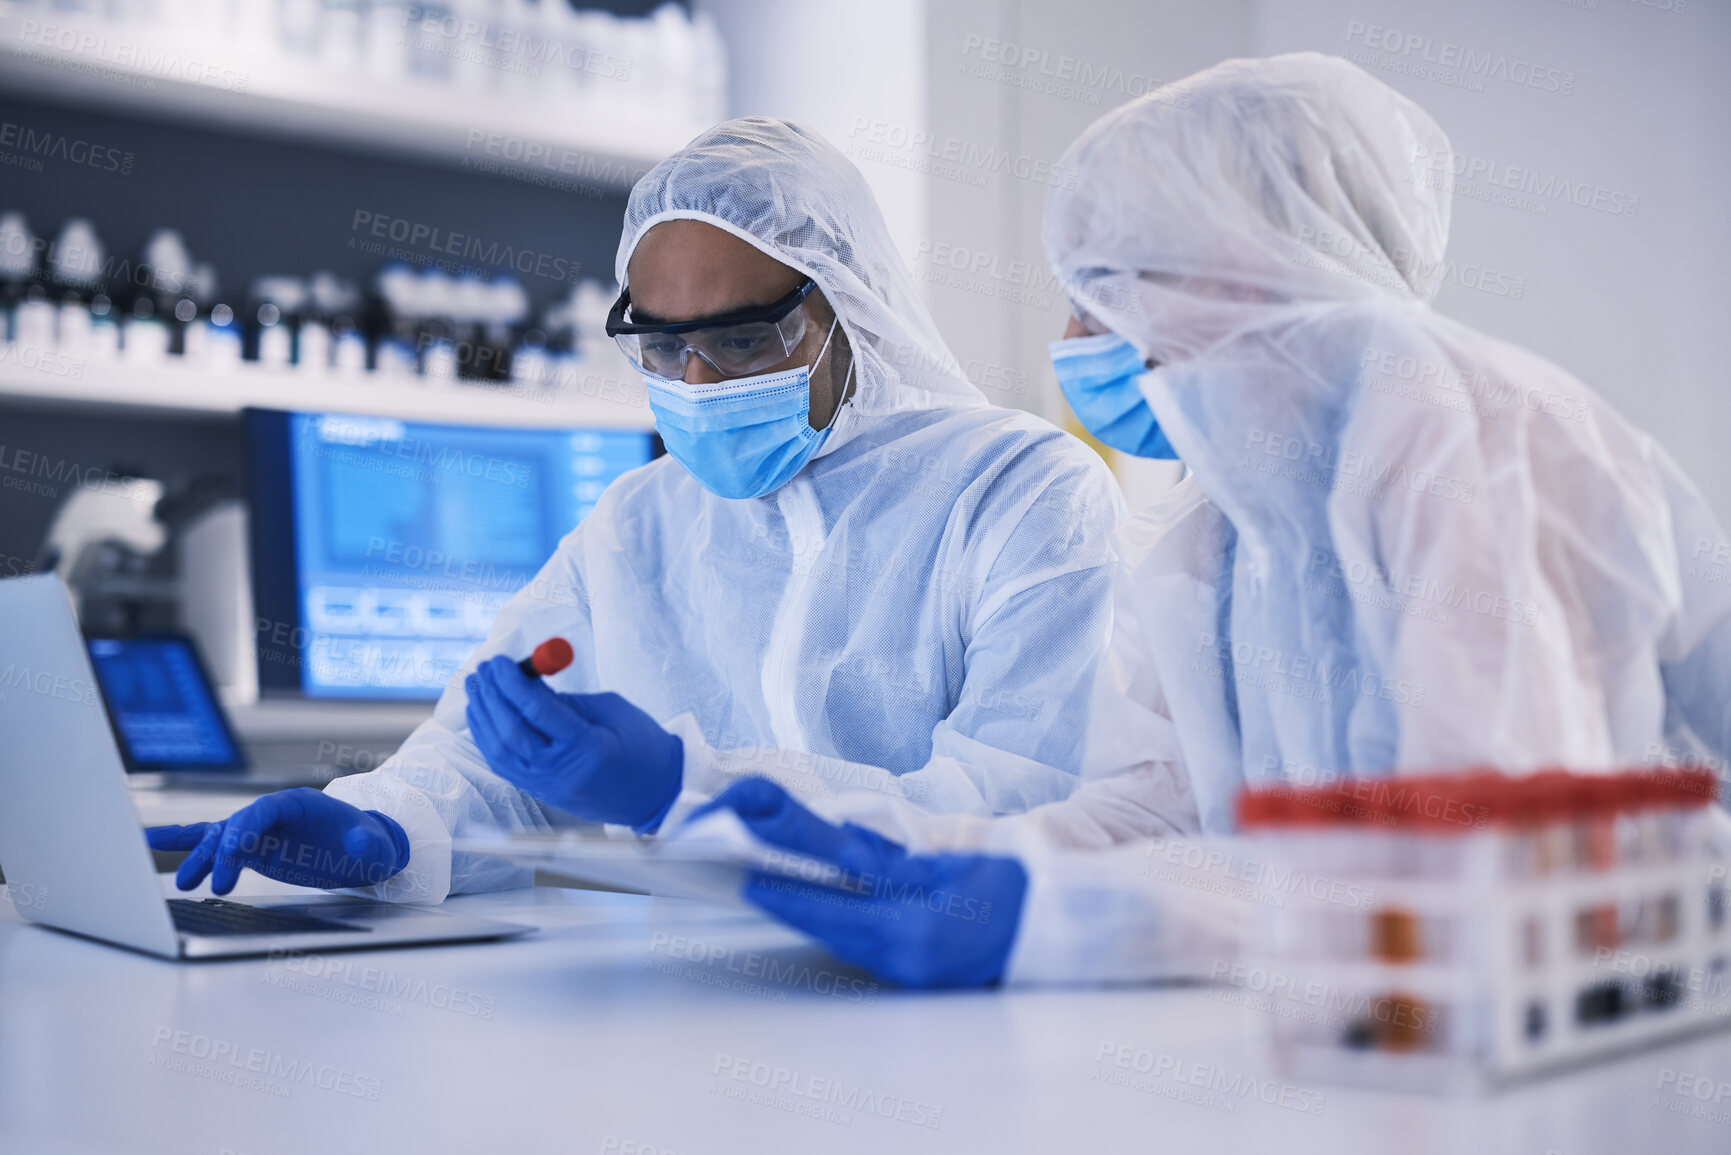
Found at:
(161, 704)
(409, 537)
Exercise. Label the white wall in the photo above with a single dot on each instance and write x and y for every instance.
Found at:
(1637, 306)
(833, 64)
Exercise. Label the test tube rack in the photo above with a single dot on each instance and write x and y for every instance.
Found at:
(1503, 926)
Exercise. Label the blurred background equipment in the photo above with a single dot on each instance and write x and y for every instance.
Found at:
(216, 589)
(412, 77)
(163, 311)
(107, 544)
(384, 548)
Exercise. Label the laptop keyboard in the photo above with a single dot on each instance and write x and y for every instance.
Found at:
(215, 916)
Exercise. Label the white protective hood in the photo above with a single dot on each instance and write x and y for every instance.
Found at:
(784, 189)
(1405, 545)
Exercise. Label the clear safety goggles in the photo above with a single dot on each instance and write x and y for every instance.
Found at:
(736, 344)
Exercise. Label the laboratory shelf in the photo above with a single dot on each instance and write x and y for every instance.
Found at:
(171, 391)
(60, 57)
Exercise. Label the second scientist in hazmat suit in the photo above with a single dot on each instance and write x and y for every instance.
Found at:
(1403, 545)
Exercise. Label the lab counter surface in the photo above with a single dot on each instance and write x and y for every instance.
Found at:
(630, 1024)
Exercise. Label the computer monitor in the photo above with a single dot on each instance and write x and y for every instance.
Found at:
(160, 701)
(382, 548)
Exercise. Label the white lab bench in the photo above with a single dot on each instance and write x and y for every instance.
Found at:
(610, 1030)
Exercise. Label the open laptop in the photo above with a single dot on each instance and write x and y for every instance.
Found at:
(169, 721)
(71, 839)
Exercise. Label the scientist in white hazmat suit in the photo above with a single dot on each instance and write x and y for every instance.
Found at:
(850, 572)
(1402, 545)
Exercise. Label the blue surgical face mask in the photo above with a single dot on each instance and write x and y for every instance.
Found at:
(1098, 376)
(743, 437)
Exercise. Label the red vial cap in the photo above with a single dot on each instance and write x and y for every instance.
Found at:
(551, 656)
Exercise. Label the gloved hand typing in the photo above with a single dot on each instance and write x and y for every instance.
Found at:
(593, 755)
(918, 920)
(300, 836)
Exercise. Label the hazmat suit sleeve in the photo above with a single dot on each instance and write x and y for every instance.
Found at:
(1142, 912)
(438, 783)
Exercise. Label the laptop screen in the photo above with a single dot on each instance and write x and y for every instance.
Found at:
(164, 711)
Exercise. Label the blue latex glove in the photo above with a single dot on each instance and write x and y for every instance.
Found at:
(301, 836)
(918, 920)
(593, 755)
